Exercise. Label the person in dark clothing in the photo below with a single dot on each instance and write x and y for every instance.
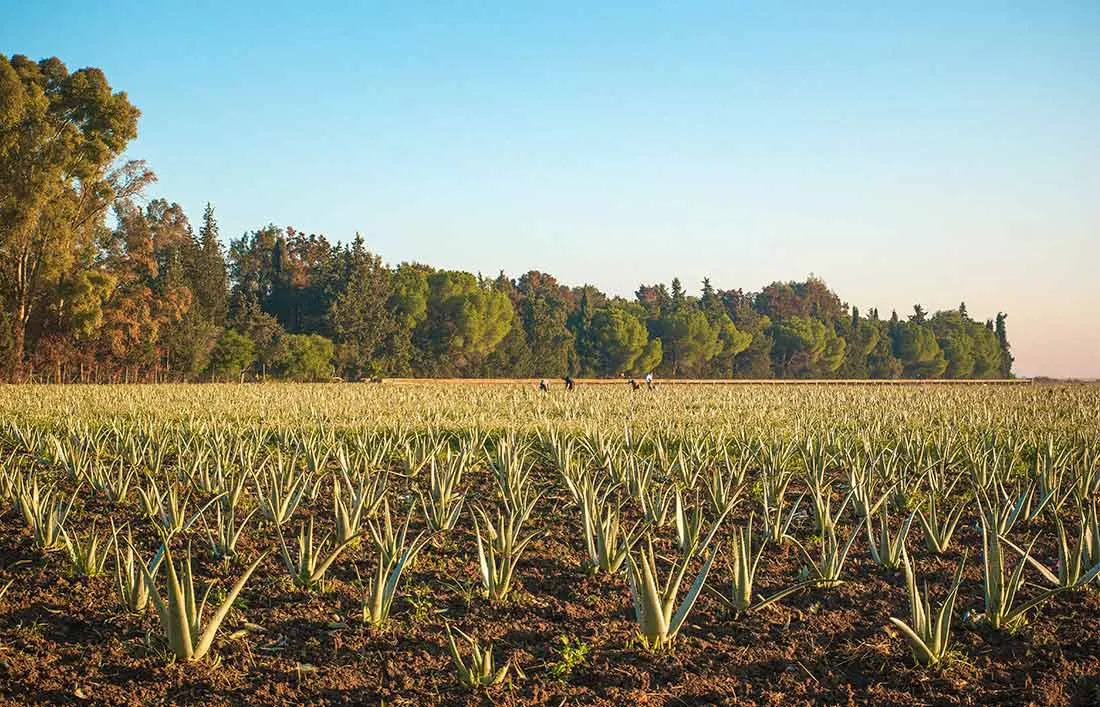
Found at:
(634, 384)
(568, 382)
(544, 386)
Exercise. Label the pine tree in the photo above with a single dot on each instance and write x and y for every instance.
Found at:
(209, 281)
(580, 323)
(358, 316)
(679, 297)
(1006, 351)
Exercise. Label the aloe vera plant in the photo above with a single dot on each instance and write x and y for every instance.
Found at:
(363, 499)
(86, 556)
(999, 592)
(606, 543)
(827, 567)
(659, 617)
(281, 490)
(499, 553)
(112, 481)
(512, 471)
(1090, 540)
(689, 525)
(481, 671)
(133, 591)
(743, 565)
(928, 634)
(392, 562)
(179, 612)
(725, 484)
(167, 508)
(773, 497)
(46, 517)
(1073, 570)
(226, 531)
(887, 550)
(308, 568)
(389, 542)
(442, 504)
(939, 529)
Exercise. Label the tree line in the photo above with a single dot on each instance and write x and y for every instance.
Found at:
(100, 284)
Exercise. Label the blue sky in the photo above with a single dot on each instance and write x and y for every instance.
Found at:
(933, 151)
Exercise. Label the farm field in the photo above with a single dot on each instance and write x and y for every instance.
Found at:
(687, 545)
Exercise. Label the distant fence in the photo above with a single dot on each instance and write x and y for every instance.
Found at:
(715, 381)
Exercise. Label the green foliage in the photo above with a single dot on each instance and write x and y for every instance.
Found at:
(233, 354)
(303, 358)
(358, 316)
(689, 342)
(918, 351)
(573, 653)
(60, 134)
(806, 347)
(466, 319)
(147, 297)
(619, 342)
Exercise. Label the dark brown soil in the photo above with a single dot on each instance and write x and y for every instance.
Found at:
(65, 640)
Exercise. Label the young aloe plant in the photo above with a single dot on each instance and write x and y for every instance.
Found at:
(363, 500)
(929, 639)
(655, 499)
(743, 573)
(1091, 536)
(308, 569)
(512, 471)
(180, 614)
(85, 555)
(773, 497)
(481, 671)
(826, 569)
(419, 450)
(443, 504)
(132, 590)
(282, 490)
(887, 552)
(659, 620)
(378, 596)
(867, 496)
(499, 554)
(389, 542)
(938, 530)
(226, 533)
(561, 450)
(46, 517)
(606, 544)
(724, 485)
(112, 481)
(1073, 570)
(1000, 594)
(168, 509)
(689, 526)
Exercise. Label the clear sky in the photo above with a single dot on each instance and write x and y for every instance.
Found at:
(906, 152)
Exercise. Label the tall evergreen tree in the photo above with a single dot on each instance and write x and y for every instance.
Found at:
(1006, 350)
(209, 278)
(358, 316)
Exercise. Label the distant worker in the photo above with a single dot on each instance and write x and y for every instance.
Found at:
(568, 382)
(544, 386)
(634, 384)
(649, 380)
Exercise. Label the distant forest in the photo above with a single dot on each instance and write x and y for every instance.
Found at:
(100, 284)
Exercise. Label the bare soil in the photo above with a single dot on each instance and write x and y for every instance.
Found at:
(65, 640)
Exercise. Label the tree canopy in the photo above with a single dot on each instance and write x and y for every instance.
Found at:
(99, 283)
